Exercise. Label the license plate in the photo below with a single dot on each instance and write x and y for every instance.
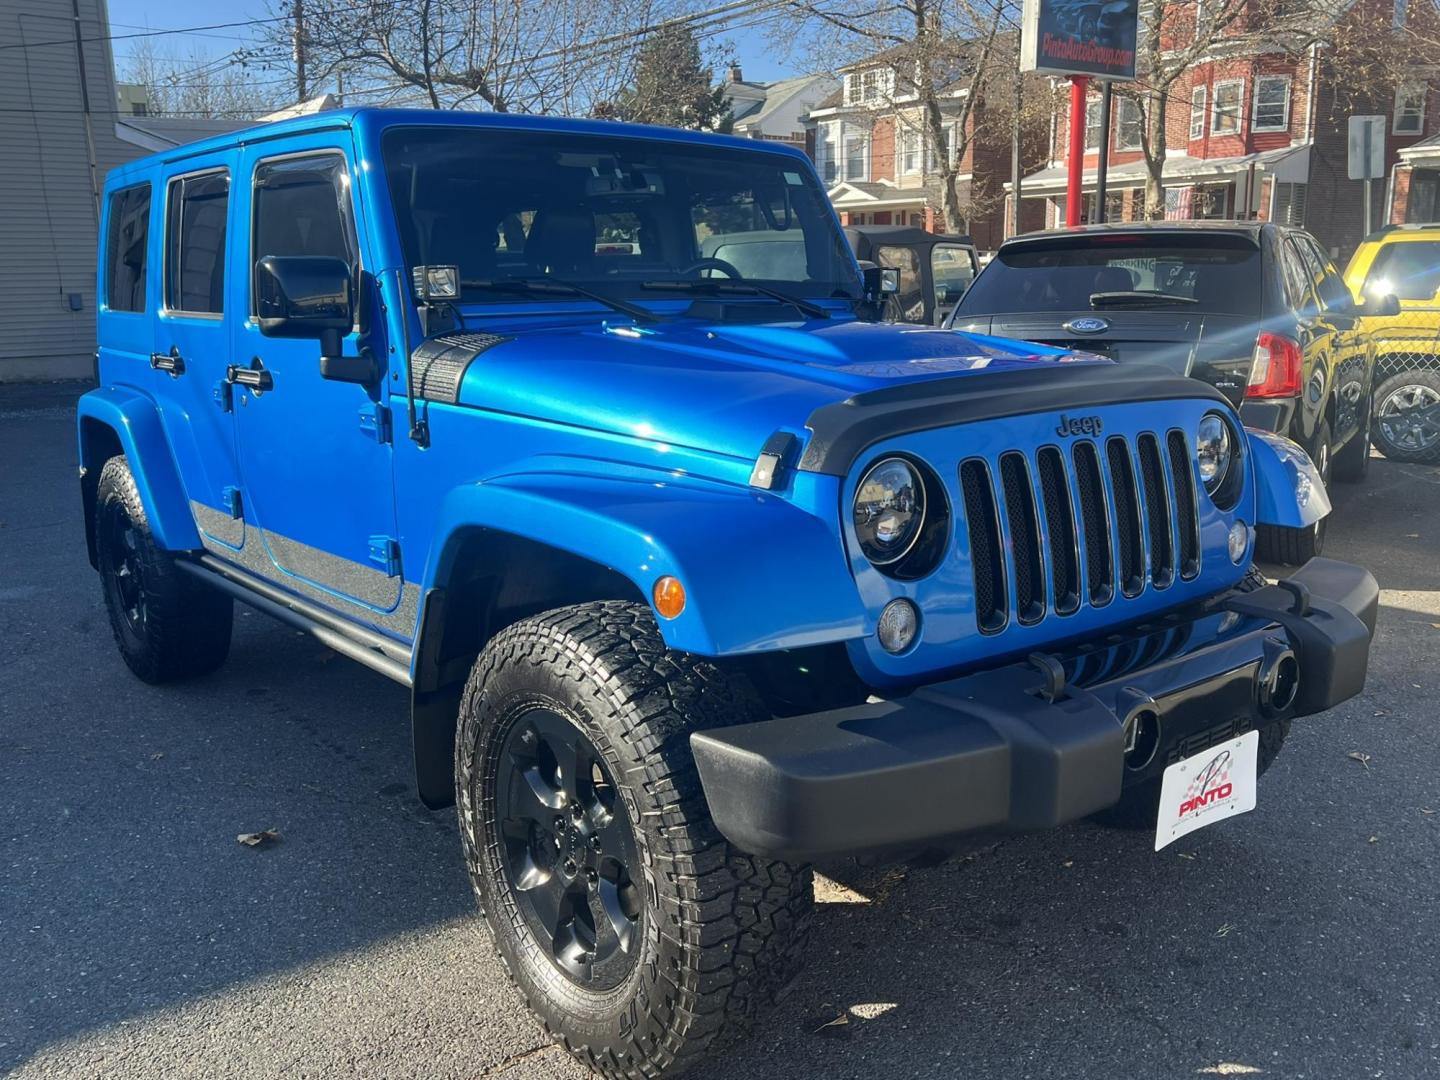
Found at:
(1209, 787)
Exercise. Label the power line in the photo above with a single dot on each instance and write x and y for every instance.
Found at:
(164, 33)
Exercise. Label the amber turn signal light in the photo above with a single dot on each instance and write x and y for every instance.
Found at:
(669, 596)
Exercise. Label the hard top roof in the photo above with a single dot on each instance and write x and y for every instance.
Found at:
(377, 119)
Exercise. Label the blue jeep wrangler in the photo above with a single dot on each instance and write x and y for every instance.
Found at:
(695, 573)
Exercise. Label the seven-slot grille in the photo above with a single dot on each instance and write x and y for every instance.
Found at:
(1081, 524)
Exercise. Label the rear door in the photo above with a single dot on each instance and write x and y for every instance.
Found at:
(193, 344)
(1337, 363)
(315, 453)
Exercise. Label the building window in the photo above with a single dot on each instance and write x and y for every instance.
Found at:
(1272, 104)
(857, 156)
(195, 226)
(868, 87)
(1409, 109)
(1197, 112)
(1092, 126)
(1131, 125)
(127, 240)
(930, 163)
(1225, 116)
(1289, 205)
(827, 154)
(910, 156)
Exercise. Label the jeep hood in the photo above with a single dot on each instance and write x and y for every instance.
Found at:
(718, 386)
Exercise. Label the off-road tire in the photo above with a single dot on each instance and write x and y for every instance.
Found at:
(184, 627)
(1139, 806)
(1352, 461)
(1416, 376)
(1291, 546)
(722, 932)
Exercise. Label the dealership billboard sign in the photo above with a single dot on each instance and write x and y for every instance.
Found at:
(1080, 37)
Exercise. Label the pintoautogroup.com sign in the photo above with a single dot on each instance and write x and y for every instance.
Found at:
(1080, 37)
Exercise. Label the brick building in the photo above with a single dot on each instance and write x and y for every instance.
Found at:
(870, 150)
(1253, 131)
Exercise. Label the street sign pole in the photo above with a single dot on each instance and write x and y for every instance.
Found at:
(1107, 91)
(1078, 86)
(1366, 137)
(1365, 158)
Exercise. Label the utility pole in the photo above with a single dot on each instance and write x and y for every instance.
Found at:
(85, 111)
(1015, 153)
(301, 91)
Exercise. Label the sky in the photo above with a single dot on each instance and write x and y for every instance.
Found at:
(759, 58)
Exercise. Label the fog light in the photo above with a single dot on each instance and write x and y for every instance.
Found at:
(1239, 541)
(899, 624)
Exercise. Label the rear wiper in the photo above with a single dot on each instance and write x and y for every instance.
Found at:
(551, 287)
(750, 288)
(1117, 299)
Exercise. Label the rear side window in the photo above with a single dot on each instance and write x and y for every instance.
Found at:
(302, 207)
(1216, 274)
(126, 243)
(195, 243)
(1409, 269)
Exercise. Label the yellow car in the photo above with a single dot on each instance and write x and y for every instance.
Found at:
(1403, 260)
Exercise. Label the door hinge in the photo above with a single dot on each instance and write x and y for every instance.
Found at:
(230, 496)
(221, 394)
(375, 422)
(385, 553)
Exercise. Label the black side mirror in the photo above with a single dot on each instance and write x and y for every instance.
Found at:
(304, 296)
(1383, 307)
(881, 282)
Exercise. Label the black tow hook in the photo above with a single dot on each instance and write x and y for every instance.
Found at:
(1053, 672)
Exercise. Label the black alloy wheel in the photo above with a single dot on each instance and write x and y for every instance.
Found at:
(121, 567)
(568, 849)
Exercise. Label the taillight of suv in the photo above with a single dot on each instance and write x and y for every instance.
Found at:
(1277, 367)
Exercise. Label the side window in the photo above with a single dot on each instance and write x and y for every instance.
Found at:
(302, 207)
(126, 245)
(1297, 278)
(1330, 286)
(196, 212)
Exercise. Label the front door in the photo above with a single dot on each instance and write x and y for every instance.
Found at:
(193, 339)
(315, 457)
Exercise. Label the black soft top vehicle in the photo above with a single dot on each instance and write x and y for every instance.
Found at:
(1256, 310)
(935, 268)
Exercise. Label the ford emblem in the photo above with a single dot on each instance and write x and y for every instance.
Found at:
(1087, 325)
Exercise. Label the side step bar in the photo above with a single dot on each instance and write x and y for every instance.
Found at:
(375, 651)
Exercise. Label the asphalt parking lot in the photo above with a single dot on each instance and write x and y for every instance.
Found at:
(138, 939)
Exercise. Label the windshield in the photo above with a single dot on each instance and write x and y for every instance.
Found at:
(1211, 274)
(1410, 269)
(610, 213)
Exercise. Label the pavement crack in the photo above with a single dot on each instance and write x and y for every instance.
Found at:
(517, 1059)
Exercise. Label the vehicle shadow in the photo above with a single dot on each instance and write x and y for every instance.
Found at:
(1386, 523)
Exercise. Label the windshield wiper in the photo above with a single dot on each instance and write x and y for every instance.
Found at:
(750, 288)
(551, 287)
(1119, 298)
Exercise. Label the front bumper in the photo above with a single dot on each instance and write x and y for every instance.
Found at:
(1038, 744)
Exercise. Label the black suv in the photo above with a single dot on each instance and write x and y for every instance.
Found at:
(1255, 309)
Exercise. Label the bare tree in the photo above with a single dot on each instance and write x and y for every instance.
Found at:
(230, 86)
(535, 56)
(1175, 37)
(954, 65)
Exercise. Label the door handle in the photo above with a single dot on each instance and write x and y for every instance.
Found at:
(254, 376)
(172, 362)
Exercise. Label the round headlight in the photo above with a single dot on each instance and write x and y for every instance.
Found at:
(1213, 451)
(889, 510)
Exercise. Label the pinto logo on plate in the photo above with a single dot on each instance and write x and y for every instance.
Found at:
(1211, 786)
